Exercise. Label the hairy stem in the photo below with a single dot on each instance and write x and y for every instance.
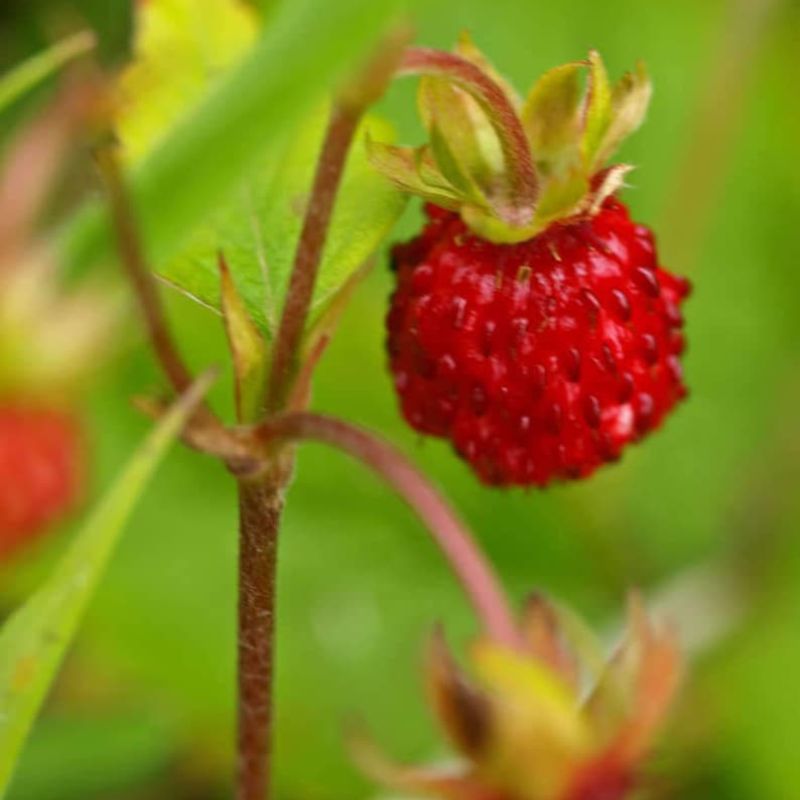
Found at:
(352, 101)
(468, 563)
(261, 502)
(339, 135)
(141, 278)
(260, 508)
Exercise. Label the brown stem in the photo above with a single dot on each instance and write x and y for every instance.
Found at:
(499, 110)
(339, 135)
(260, 508)
(132, 255)
(148, 298)
(353, 99)
(226, 444)
(468, 563)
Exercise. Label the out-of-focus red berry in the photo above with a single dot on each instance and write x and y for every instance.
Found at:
(40, 470)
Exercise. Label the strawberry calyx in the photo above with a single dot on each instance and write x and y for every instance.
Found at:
(512, 167)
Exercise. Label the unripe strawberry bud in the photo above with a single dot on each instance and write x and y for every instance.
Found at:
(528, 727)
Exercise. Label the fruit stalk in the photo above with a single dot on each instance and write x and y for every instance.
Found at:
(451, 535)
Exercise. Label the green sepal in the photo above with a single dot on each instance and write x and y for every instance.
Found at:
(455, 127)
(489, 226)
(402, 165)
(606, 183)
(562, 195)
(451, 167)
(597, 109)
(630, 99)
(247, 346)
(551, 115)
(428, 170)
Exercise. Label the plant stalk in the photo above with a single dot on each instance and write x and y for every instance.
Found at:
(451, 535)
(131, 253)
(341, 129)
(260, 509)
(353, 99)
(261, 501)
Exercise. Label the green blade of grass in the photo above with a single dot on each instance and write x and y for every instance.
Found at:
(34, 639)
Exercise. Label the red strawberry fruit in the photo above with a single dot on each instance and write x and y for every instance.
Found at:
(39, 470)
(540, 359)
(532, 324)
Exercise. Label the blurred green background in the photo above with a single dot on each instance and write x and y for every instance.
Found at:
(144, 707)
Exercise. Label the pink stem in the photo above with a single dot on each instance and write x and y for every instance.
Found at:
(468, 563)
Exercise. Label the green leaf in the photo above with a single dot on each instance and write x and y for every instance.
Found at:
(22, 78)
(261, 234)
(258, 230)
(206, 159)
(34, 639)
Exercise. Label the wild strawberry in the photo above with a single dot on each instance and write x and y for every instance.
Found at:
(39, 470)
(542, 359)
(532, 324)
